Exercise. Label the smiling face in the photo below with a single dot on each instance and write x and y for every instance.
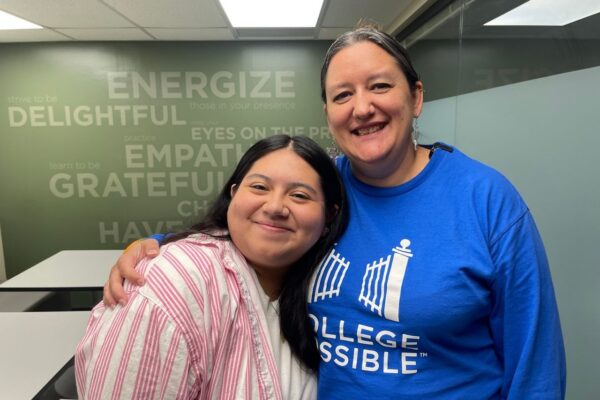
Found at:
(277, 212)
(370, 108)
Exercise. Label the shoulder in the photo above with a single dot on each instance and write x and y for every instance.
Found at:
(199, 257)
(470, 169)
(193, 275)
(496, 202)
(472, 174)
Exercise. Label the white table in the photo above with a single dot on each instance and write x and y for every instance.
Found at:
(34, 346)
(66, 270)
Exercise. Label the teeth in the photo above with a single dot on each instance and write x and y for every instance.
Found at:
(367, 131)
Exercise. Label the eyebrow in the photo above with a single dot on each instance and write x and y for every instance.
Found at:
(292, 184)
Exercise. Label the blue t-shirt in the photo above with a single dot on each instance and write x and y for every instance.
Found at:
(439, 289)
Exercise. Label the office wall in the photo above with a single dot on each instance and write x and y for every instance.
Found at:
(102, 143)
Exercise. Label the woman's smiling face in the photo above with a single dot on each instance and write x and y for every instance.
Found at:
(277, 212)
(370, 106)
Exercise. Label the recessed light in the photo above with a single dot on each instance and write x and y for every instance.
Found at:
(547, 13)
(9, 21)
(272, 13)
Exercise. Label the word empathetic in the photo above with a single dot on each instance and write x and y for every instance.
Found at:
(182, 155)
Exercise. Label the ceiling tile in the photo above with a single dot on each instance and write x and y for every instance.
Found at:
(191, 34)
(31, 35)
(107, 34)
(65, 13)
(171, 14)
(178, 19)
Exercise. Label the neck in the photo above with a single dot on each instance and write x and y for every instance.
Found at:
(392, 172)
(271, 280)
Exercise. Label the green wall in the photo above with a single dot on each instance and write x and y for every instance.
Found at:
(101, 143)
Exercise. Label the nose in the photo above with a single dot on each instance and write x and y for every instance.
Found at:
(275, 206)
(363, 106)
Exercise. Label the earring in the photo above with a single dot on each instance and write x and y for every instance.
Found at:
(333, 150)
(415, 132)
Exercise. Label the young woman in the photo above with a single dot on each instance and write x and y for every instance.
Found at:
(440, 287)
(206, 324)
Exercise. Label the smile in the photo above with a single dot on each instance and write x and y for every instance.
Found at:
(273, 228)
(368, 130)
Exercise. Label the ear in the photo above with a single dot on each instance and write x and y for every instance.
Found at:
(328, 218)
(325, 108)
(233, 189)
(332, 212)
(417, 99)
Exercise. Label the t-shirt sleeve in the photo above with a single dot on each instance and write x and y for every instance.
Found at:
(524, 320)
(159, 237)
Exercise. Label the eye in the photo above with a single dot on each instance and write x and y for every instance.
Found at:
(300, 196)
(380, 86)
(341, 97)
(258, 186)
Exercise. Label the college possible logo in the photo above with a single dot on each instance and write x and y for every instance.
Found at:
(381, 286)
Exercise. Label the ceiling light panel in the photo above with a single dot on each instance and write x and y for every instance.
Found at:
(547, 13)
(9, 22)
(272, 13)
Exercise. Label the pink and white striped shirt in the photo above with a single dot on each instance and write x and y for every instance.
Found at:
(198, 329)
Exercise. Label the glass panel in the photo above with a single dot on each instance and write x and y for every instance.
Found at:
(523, 99)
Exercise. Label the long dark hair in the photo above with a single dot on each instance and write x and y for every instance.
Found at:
(294, 322)
(381, 39)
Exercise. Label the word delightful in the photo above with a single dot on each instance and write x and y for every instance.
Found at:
(86, 115)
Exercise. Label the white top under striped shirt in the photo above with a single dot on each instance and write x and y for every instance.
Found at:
(200, 328)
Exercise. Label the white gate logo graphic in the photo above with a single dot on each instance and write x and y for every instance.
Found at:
(327, 281)
(382, 282)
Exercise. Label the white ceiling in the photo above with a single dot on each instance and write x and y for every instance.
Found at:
(85, 20)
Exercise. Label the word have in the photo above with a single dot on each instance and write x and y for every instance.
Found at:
(188, 85)
(119, 233)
